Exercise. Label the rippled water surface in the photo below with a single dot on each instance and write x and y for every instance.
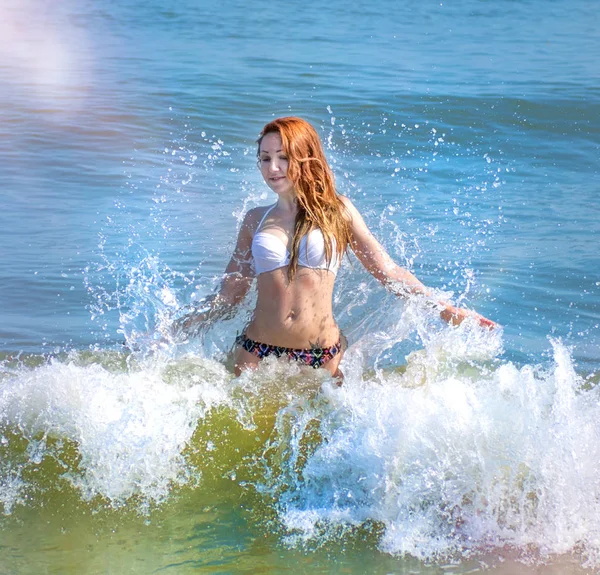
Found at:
(468, 136)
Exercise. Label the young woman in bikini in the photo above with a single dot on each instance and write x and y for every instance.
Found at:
(293, 249)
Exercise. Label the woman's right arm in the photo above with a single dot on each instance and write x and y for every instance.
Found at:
(399, 280)
(235, 284)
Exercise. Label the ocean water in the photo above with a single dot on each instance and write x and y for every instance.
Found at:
(467, 133)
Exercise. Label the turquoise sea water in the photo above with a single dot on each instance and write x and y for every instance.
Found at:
(468, 134)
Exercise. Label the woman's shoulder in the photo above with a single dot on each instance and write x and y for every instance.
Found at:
(353, 216)
(254, 216)
(349, 208)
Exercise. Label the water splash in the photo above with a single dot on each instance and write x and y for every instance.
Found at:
(449, 455)
(115, 432)
(469, 460)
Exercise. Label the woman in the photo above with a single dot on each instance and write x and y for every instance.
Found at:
(294, 249)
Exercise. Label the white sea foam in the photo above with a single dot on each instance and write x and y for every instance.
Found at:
(129, 427)
(465, 461)
(456, 454)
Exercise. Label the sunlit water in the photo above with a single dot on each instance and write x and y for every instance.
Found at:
(467, 135)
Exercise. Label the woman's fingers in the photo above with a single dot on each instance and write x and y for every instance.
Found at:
(455, 316)
(187, 325)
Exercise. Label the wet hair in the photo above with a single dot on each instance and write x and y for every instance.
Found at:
(319, 205)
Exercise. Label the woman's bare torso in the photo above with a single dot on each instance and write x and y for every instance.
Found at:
(295, 313)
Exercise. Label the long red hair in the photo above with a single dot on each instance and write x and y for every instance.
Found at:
(319, 206)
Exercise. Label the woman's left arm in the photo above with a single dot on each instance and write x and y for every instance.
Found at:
(377, 262)
(235, 284)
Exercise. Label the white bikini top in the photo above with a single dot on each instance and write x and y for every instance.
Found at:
(269, 251)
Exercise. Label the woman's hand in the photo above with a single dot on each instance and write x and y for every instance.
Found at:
(189, 324)
(456, 315)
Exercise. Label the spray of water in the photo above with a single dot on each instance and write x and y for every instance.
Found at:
(435, 441)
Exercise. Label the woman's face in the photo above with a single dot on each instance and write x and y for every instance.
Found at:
(273, 164)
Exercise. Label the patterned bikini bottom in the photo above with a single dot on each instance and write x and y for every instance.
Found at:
(314, 357)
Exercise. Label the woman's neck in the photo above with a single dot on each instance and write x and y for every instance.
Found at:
(288, 203)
